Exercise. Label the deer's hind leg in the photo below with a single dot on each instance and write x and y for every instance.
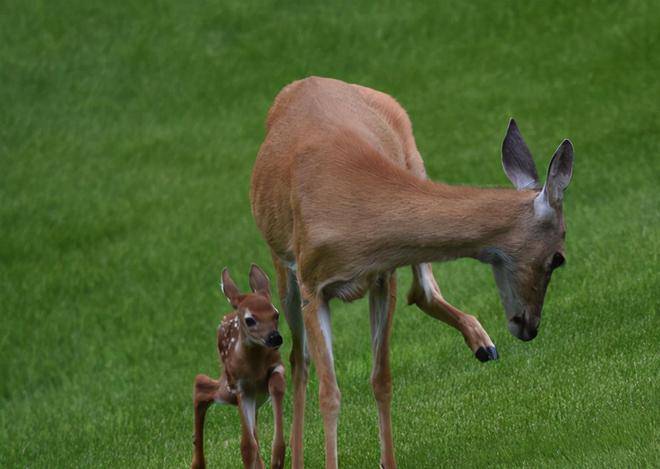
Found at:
(425, 293)
(289, 291)
(206, 392)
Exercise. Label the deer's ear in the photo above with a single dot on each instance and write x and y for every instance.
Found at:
(259, 281)
(230, 289)
(517, 160)
(560, 173)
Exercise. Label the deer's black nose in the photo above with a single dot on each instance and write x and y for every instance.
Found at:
(530, 333)
(274, 339)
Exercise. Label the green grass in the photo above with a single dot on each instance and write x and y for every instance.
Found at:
(127, 137)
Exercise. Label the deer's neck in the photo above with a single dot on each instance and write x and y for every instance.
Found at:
(432, 222)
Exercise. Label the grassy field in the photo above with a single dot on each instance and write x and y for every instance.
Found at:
(127, 138)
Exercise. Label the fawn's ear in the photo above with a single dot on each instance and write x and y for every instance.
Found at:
(517, 160)
(230, 289)
(259, 281)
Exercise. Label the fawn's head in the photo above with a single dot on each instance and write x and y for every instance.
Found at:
(257, 317)
(524, 263)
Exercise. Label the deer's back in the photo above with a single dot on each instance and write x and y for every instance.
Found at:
(317, 126)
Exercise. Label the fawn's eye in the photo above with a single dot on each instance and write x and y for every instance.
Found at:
(277, 316)
(557, 261)
(249, 321)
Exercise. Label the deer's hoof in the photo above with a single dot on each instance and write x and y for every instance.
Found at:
(486, 354)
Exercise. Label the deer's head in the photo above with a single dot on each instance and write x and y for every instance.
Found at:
(258, 318)
(524, 263)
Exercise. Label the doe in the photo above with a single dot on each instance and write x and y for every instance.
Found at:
(248, 339)
(340, 194)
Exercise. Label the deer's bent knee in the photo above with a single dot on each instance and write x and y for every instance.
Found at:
(203, 383)
(199, 380)
(202, 390)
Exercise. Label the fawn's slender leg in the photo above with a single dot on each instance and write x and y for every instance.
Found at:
(206, 391)
(316, 315)
(249, 447)
(276, 387)
(290, 299)
(382, 302)
(425, 293)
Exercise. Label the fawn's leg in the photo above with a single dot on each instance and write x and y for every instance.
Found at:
(276, 387)
(425, 293)
(205, 392)
(316, 315)
(290, 298)
(249, 447)
(382, 302)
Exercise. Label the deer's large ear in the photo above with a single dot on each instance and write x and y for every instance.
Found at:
(230, 289)
(517, 160)
(259, 281)
(560, 172)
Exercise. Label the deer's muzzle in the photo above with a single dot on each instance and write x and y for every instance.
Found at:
(524, 328)
(274, 339)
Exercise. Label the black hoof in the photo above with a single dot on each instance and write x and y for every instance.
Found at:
(486, 354)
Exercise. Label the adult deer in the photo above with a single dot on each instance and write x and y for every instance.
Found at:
(340, 194)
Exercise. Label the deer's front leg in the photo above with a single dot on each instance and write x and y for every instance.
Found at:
(316, 316)
(290, 298)
(425, 293)
(276, 387)
(247, 408)
(382, 301)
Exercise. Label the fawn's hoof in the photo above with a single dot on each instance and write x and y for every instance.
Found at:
(486, 354)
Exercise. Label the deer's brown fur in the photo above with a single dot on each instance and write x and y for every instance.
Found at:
(339, 192)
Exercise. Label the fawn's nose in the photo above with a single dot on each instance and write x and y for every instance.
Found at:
(274, 339)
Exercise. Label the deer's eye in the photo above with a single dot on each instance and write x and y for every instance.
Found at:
(277, 316)
(249, 321)
(557, 261)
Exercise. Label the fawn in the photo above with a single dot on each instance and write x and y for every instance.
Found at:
(248, 339)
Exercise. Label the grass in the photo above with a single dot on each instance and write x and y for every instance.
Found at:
(127, 137)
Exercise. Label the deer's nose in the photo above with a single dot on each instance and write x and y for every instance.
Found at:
(529, 333)
(523, 329)
(274, 339)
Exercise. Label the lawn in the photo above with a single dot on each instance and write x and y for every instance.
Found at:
(128, 131)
